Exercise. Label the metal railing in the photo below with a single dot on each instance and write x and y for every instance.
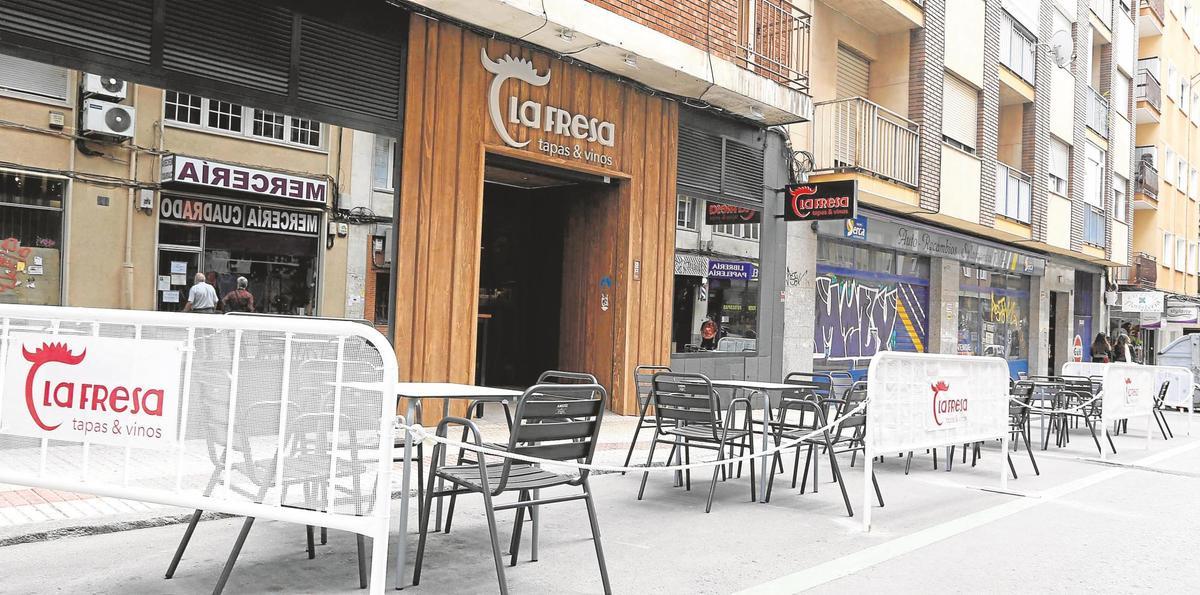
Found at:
(1157, 6)
(856, 134)
(1148, 89)
(1102, 9)
(1014, 192)
(1017, 48)
(1097, 113)
(1142, 272)
(1145, 179)
(773, 37)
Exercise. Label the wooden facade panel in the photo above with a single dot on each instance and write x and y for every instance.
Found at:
(448, 134)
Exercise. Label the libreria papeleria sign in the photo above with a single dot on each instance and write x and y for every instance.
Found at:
(546, 118)
(122, 392)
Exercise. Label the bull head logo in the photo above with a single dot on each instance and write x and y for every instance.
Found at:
(938, 388)
(48, 353)
(504, 69)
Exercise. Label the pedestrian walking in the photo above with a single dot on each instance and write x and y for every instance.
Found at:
(1121, 350)
(1101, 349)
(240, 299)
(202, 297)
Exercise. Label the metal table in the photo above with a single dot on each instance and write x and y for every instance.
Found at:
(763, 390)
(419, 391)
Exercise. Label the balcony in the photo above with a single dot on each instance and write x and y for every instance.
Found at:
(1017, 51)
(1150, 21)
(1145, 185)
(773, 38)
(882, 17)
(858, 135)
(1014, 189)
(1097, 113)
(1141, 274)
(1149, 97)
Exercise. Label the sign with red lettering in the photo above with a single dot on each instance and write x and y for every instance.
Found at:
(202, 172)
(820, 201)
(120, 392)
(716, 213)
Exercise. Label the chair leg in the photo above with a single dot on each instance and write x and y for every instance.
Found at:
(362, 560)
(934, 450)
(878, 494)
(807, 461)
(908, 462)
(424, 524)
(1110, 442)
(837, 476)
(752, 465)
(496, 555)
(1025, 436)
(1091, 428)
(1163, 416)
(516, 534)
(687, 460)
(312, 549)
(183, 543)
(420, 478)
(816, 458)
(636, 431)
(649, 458)
(949, 458)
(233, 554)
(1011, 467)
(776, 463)
(796, 467)
(712, 485)
(325, 534)
(671, 461)
(591, 508)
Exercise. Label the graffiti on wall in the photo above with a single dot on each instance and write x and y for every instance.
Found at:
(860, 317)
(1004, 310)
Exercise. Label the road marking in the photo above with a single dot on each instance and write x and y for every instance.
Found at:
(877, 554)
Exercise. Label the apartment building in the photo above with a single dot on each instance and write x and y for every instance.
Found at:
(1160, 288)
(992, 146)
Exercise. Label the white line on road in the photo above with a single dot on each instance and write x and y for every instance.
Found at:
(866, 558)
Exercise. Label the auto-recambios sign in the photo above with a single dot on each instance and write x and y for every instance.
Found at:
(820, 201)
(121, 392)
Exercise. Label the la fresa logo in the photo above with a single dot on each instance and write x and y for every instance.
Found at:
(1131, 392)
(79, 397)
(947, 409)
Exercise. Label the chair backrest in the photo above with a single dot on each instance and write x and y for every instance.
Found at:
(564, 377)
(682, 399)
(820, 383)
(557, 422)
(643, 377)
(1162, 392)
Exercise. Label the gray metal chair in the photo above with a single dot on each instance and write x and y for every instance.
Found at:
(642, 379)
(810, 416)
(558, 422)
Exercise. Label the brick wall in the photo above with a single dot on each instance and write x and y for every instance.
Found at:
(710, 25)
(1036, 130)
(1083, 39)
(989, 114)
(927, 63)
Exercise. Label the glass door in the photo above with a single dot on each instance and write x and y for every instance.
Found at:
(176, 269)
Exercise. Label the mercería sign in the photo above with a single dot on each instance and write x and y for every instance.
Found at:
(716, 213)
(237, 215)
(201, 172)
(122, 392)
(820, 201)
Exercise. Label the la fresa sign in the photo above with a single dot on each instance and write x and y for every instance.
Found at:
(120, 392)
(821, 201)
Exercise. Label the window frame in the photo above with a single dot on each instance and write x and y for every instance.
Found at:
(247, 124)
(67, 100)
(1053, 177)
(690, 213)
(391, 164)
(1121, 200)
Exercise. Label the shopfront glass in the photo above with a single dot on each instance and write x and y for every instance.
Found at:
(716, 300)
(31, 224)
(868, 300)
(993, 316)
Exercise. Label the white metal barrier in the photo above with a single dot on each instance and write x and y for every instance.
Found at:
(1084, 369)
(922, 401)
(279, 418)
(1179, 391)
(1129, 391)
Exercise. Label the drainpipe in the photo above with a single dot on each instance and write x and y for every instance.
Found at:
(127, 265)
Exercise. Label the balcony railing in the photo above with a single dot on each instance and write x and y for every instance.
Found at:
(1148, 89)
(1014, 190)
(1142, 273)
(773, 41)
(1017, 48)
(1097, 114)
(1158, 6)
(856, 134)
(1145, 180)
(1102, 9)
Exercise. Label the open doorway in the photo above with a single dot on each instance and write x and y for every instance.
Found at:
(532, 242)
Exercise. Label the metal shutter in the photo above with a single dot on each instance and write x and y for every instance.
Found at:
(699, 160)
(241, 43)
(35, 78)
(743, 171)
(349, 69)
(853, 74)
(960, 111)
(719, 168)
(117, 28)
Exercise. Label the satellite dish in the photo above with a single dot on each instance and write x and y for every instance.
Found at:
(1062, 48)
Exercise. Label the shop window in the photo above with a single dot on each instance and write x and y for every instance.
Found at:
(382, 162)
(31, 221)
(180, 235)
(717, 290)
(182, 107)
(993, 316)
(868, 300)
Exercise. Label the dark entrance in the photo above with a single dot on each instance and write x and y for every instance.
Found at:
(528, 246)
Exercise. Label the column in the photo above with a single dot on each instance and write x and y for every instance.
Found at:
(943, 306)
(799, 298)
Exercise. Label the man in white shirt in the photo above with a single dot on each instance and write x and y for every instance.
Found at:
(202, 297)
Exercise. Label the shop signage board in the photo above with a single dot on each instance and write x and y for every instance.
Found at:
(120, 392)
(179, 169)
(724, 269)
(821, 201)
(238, 215)
(1181, 312)
(716, 213)
(856, 228)
(1142, 301)
(921, 400)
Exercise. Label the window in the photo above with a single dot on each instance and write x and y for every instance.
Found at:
(1017, 48)
(1184, 94)
(1181, 173)
(960, 113)
(1180, 254)
(1168, 168)
(1094, 176)
(224, 116)
(1060, 165)
(1013, 192)
(40, 80)
(716, 284)
(1192, 263)
(993, 315)
(1120, 204)
(1194, 183)
(383, 162)
(31, 221)
(1172, 82)
(1120, 95)
(182, 107)
(1168, 249)
(685, 213)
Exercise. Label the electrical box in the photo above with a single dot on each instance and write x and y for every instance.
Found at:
(146, 199)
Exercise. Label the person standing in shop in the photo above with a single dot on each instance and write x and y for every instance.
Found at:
(202, 297)
(240, 299)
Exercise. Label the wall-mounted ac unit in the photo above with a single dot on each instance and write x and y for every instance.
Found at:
(104, 87)
(106, 119)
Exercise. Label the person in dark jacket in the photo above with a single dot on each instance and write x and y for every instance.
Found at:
(1121, 349)
(1101, 349)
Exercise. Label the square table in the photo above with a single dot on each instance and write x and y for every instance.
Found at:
(763, 390)
(417, 391)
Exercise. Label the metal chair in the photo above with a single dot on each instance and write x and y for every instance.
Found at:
(642, 378)
(686, 408)
(1159, 417)
(559, 422)
(1018, 418)
(811, 417)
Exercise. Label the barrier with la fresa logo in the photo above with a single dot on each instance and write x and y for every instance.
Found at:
(1129, 391)
(918, 401)
(1181, 383)
(287, 419)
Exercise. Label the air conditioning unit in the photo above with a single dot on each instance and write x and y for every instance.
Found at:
(104, 87)
(106, 119)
